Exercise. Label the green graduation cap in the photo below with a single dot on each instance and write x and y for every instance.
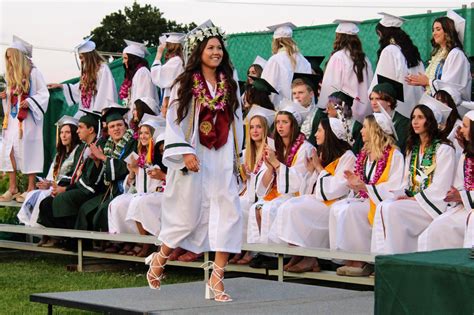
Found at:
(114, 112)
(396, 90)
(261, 84)
(90, 118)
(312, 80)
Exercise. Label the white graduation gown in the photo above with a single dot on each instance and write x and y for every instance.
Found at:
(164, 75)
(304, 220)
(349, 227)
(339, 74)
(106, 90)
(28, 151)
(121, 205)
(200, 210)
(279, 73)
(289, 181)
(469, 232)
(452, 137)
(398, 223)
(142, 85)
(447, 230)
(393, 64)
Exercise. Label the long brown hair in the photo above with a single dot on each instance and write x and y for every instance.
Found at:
(469, 144)
(452, 37)
(333, 147)
(62, 151)
(18, 70)
(185, 80)
(353, 44)
(282, 151)
(252, 153)
(173, 50)
(90, 67)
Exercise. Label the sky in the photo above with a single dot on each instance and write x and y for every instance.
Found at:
(55, 27)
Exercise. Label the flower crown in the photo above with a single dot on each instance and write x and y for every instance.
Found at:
(196, 37)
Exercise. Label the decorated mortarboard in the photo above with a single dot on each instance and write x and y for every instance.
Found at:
(114, 112)
(389, 20)
(396, 86)
(22, 46)
(439, 109)
(452, 89)
(151, 103)
(298, 111)
(312, 80)
(259, 61)
(282, 30)
(385, 123)
(67, 120)
(260, 84)
(199, 34)
(135, 48)
(91, 118)
(85, 46)
(470, 115)
(343, 96)
(459, 23)
(315, 62)
(175, 38)
(337, 127)
(257, 110)
(348, 27)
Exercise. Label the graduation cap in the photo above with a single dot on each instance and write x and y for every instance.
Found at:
(439, 109)
(337, 127)
(396, 87)
(282, 30)
(459, 23)
(67, 120)
(159, 134)
(389, 20)
(348, 27)
(135, 48)
(155, 122)
(343, 96)
(22, 46)
(298, 111)
(260, 84)
(257, 110)
(260, 61)
(315, 62)
(114, 112)
(467, 104)
(384, 120)
(90, 118)
(452, 89)
(175, 38)
(151, 103)
(242, 85)
(312, 80)
(85, 46)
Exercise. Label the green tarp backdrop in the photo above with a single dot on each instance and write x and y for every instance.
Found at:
(244, 47)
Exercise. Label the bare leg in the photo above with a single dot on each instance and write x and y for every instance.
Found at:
(218, 274)
(258, 217)
(157, 265)
(12, 175)
(145, 247)
(31, 182)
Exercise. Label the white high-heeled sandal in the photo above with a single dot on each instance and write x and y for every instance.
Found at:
(212, 293)
(150, 275)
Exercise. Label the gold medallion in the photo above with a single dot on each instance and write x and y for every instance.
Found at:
(205, 127)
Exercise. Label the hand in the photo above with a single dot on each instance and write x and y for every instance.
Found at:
(191, 162)
(96, 153)
(405, 198)
(354, 182)
(308, 163)
(453, 195)
(24, 104)
(44, 184)
(132, 170)
(270, 156)
(419, 79)
(54, 86)
(459, 137)
(156, 173)
(57, 190)
(3, 95)
(316, 160)
(160, 50)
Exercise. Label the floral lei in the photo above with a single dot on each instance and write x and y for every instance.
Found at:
(469, 173)
(294, 149)
(116, 152)
(360, 168)
(426, 162)
(203, 96)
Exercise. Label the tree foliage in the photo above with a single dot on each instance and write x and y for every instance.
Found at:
(138, 23)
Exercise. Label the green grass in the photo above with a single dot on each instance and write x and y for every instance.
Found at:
(24, 273)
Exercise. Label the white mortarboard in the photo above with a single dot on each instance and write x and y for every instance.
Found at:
(150, 120)
(282, 30)
(85, 46)
(470, 115)
(135, 48)
(67, 120)
(337, 128)
(151, 103)
(452, 89)
(298, 111)
(202, 26)
(257, 110)
(467, 104)
(159, 119)
(175, 38)
(440, 110)
(159, 134)
(22, 46)
(389, 20)
(459, 23)
(259, 61)
(347, 27)
(387, 118)
(162, 39)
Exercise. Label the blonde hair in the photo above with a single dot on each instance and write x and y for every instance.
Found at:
(252, 153)
(289, 45)
(377, 139)
(18, 70)
(89, 70)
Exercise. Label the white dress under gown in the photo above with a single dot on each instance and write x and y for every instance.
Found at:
(164, 75)
(288, 183)
(349, 226)
(447, 230)
(304, 220)
(124, 211)
(393, 65)
(399, 223)
(200, 210)
(28, 151)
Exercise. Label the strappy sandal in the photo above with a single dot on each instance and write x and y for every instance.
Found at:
(212, 293)
(134, 251)
(20, 198)
(151, 275)
(8, 196)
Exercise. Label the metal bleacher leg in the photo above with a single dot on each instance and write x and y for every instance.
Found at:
(280, 267)
(50, 309)
(79, 255)
(206, 271)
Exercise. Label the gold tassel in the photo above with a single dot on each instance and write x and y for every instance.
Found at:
(57, 135)
(149, 151)
(5, 121)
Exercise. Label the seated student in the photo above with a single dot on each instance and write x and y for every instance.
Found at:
(137, 183)
(428, 176)
(386, 94)
(59, 173)
(254, 71)
(303, 90)
(60, 209)
(109, 159)
(449, 230)
(378, 168)
(259, 94)
(304, 220)
(143, 105)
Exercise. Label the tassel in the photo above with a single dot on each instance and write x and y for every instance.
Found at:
(149, 154)
(5, 121)
(57, 135)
